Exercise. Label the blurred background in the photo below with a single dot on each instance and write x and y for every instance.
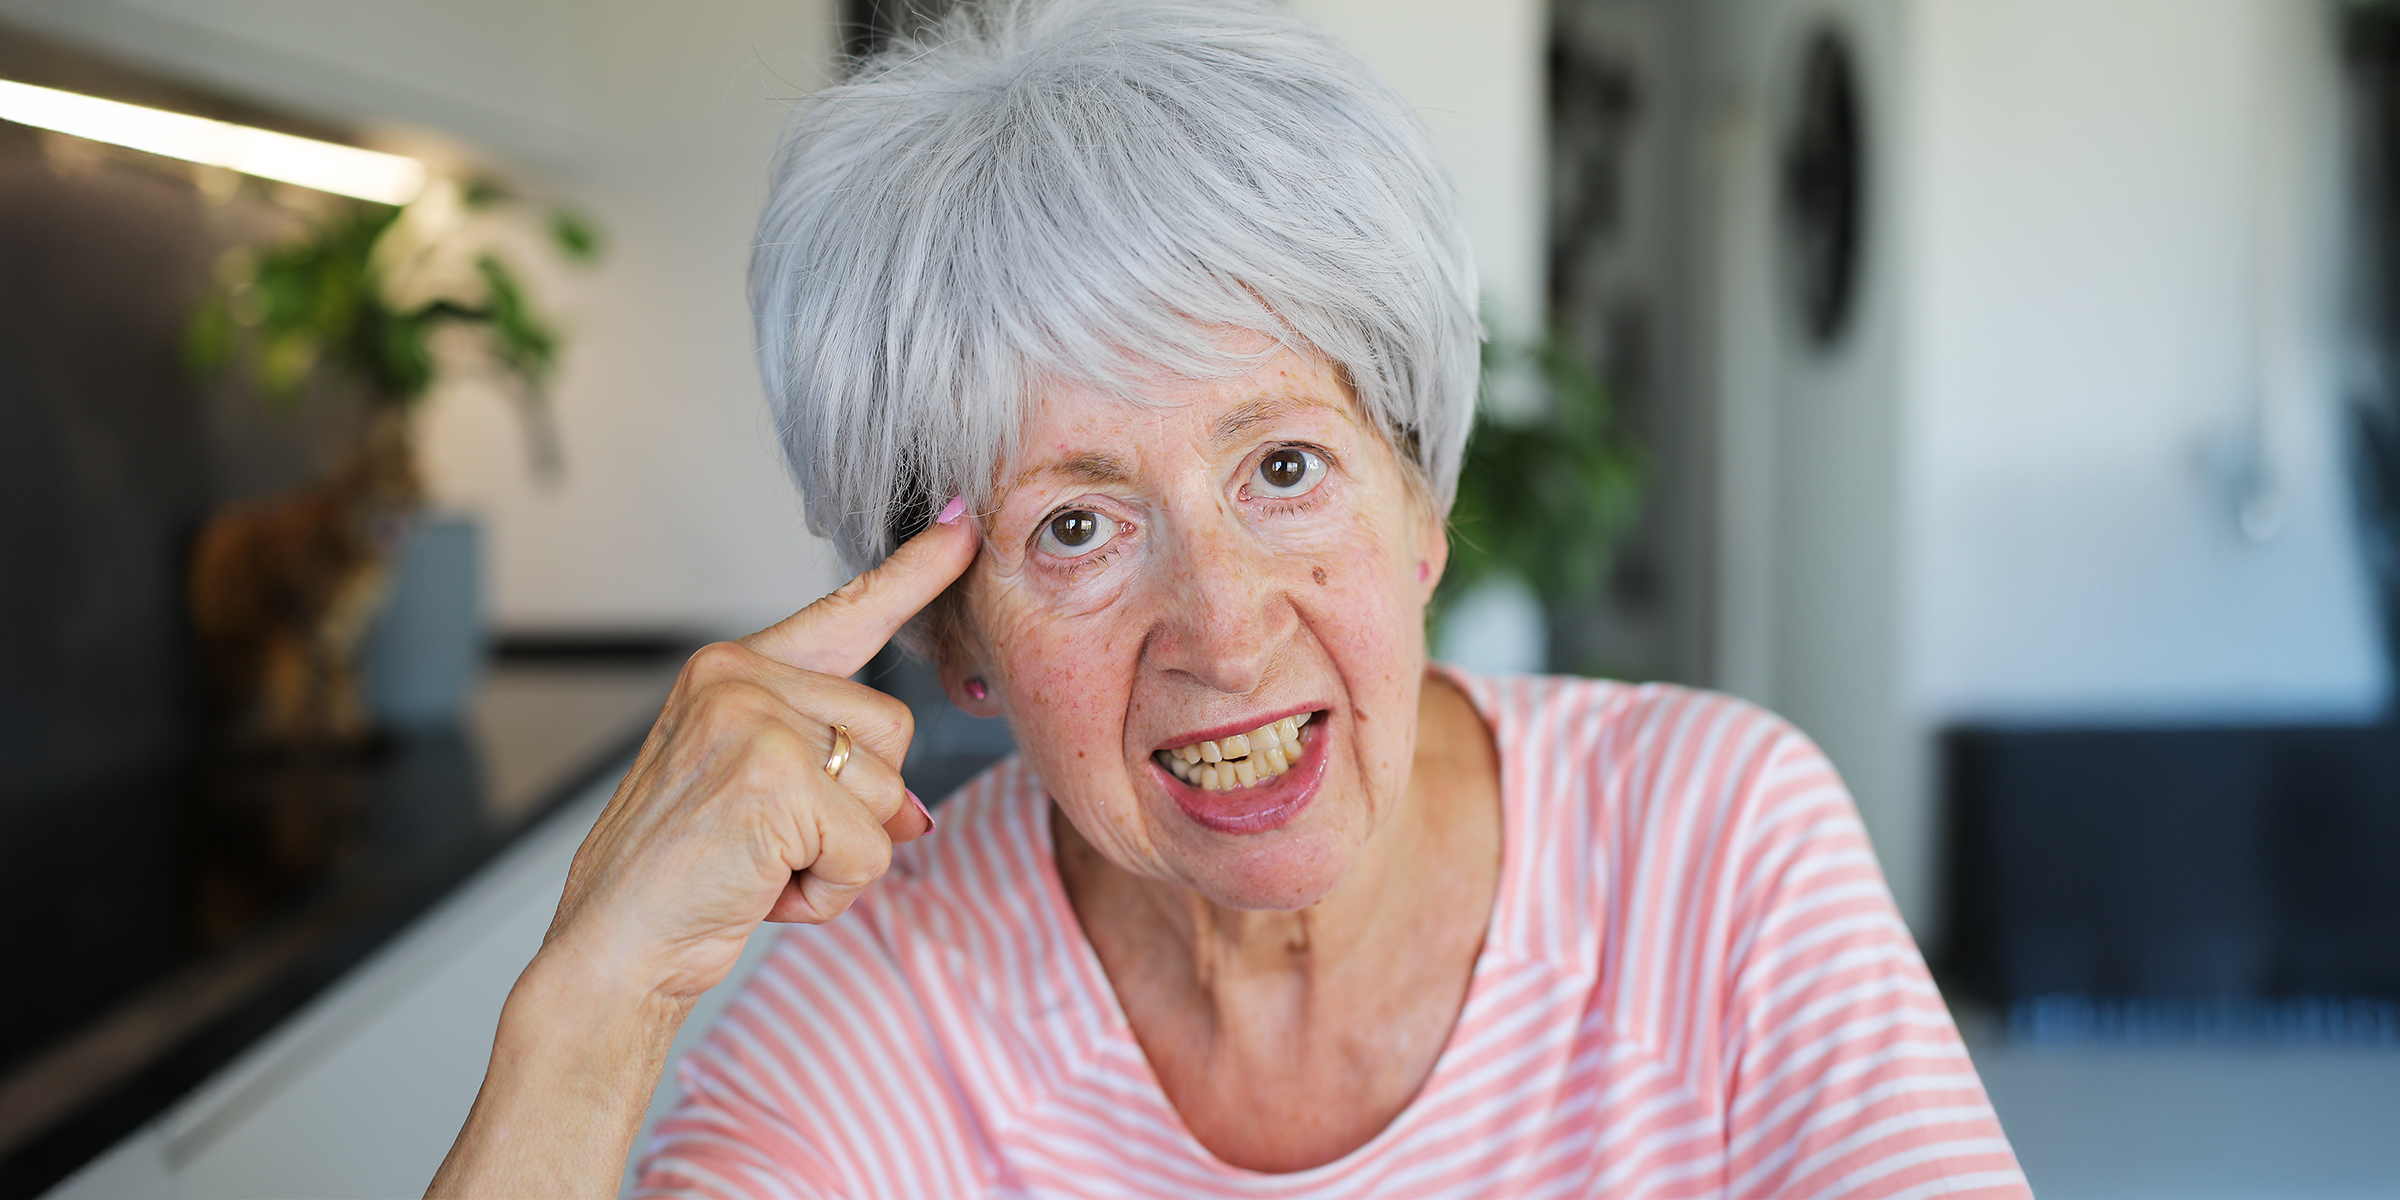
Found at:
(2002, 390)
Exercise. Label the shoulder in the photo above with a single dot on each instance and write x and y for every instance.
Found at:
(1643, 818)
(1641, 750)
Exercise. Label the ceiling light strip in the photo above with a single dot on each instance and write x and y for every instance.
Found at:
(348, 170)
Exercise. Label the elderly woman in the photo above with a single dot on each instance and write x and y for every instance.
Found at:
(1134, 344)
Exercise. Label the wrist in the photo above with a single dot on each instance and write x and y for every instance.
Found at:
(570, 996)
(577, 1056)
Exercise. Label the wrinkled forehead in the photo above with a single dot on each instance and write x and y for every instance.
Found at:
(1098, 436)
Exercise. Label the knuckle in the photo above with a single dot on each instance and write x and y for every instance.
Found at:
(878, 788)
(879, 714)
(773, 754)
(717, 660)
(876, 859)
(889, 795)
(829, 903)
(733, 707)
(858, 591)
(897, 716)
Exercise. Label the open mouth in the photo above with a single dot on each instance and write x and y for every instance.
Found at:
(1239, 761)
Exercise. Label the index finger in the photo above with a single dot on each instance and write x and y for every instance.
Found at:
(840, 632)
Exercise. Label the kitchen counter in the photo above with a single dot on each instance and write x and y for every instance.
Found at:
(162, 927)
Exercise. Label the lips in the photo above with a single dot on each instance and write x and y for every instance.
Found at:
(1214, 794)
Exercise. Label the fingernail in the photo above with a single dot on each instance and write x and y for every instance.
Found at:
(922, 811)
(951, 511)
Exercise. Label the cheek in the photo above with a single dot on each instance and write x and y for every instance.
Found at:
(1065, 675)
(1366, 616)
(1355, 574)
(1366, 610)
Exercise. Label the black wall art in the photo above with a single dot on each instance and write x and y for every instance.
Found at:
(1824, 189)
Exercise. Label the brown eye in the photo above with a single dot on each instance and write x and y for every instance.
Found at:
(1076, 532)
(1289, 472)
(1075, 528)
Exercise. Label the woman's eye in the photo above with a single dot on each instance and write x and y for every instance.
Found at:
(1288, 472)
(1076, 532)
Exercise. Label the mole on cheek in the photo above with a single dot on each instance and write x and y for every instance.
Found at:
(1318, 575)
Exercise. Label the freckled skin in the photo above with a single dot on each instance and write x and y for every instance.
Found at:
(1199, 616)
(1291, 988)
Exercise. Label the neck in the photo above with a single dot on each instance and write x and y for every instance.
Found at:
(1288, 1039)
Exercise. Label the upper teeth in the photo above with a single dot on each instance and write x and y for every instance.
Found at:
(1240, 760)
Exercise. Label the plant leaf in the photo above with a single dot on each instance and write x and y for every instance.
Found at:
(575, 235)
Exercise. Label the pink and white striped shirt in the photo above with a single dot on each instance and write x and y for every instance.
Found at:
(1694, 984)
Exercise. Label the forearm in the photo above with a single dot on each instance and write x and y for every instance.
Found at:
(573, 1066)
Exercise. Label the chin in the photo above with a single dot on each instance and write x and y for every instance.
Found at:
(1281, 879)
(1290, 868)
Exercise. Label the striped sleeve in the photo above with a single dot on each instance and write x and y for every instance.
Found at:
(1843, 1073)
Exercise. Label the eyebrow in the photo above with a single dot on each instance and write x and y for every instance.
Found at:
(1265, 410)
(1092, 466)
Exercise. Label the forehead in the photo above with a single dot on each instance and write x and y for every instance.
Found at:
(1088, 435)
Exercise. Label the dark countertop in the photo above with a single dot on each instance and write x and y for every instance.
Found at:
(157, 928)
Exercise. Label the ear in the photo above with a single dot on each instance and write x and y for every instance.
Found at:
(1433, 551)
(956, 673)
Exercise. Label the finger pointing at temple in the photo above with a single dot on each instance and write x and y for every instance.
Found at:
(839, 633)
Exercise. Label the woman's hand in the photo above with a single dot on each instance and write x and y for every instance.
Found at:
(727, 818)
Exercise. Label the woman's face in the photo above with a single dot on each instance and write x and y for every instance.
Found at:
(1157, 579)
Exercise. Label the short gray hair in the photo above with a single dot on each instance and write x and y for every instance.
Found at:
(1079, 191)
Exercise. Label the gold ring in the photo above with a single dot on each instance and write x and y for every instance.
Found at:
(840, 757)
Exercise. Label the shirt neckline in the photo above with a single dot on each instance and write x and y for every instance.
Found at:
(1114, 1031)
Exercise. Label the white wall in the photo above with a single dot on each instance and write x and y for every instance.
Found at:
(677, 511)
(1809, 510)
(2103, 252)
(659, 119)
(1475, 75)
(2128, 264)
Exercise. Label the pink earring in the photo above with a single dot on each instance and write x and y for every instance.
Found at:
(976, 690)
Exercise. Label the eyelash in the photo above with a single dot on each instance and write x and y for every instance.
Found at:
(1073, 567)
(1273, 506)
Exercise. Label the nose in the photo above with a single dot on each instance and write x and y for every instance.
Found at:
(1224, 612)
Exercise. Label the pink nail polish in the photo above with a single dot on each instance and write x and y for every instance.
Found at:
(951, 511)
(922, 811)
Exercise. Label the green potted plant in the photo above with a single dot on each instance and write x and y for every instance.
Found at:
(283, 589)
(1545, 500)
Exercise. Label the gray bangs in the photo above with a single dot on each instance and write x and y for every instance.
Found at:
(1090, 192)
